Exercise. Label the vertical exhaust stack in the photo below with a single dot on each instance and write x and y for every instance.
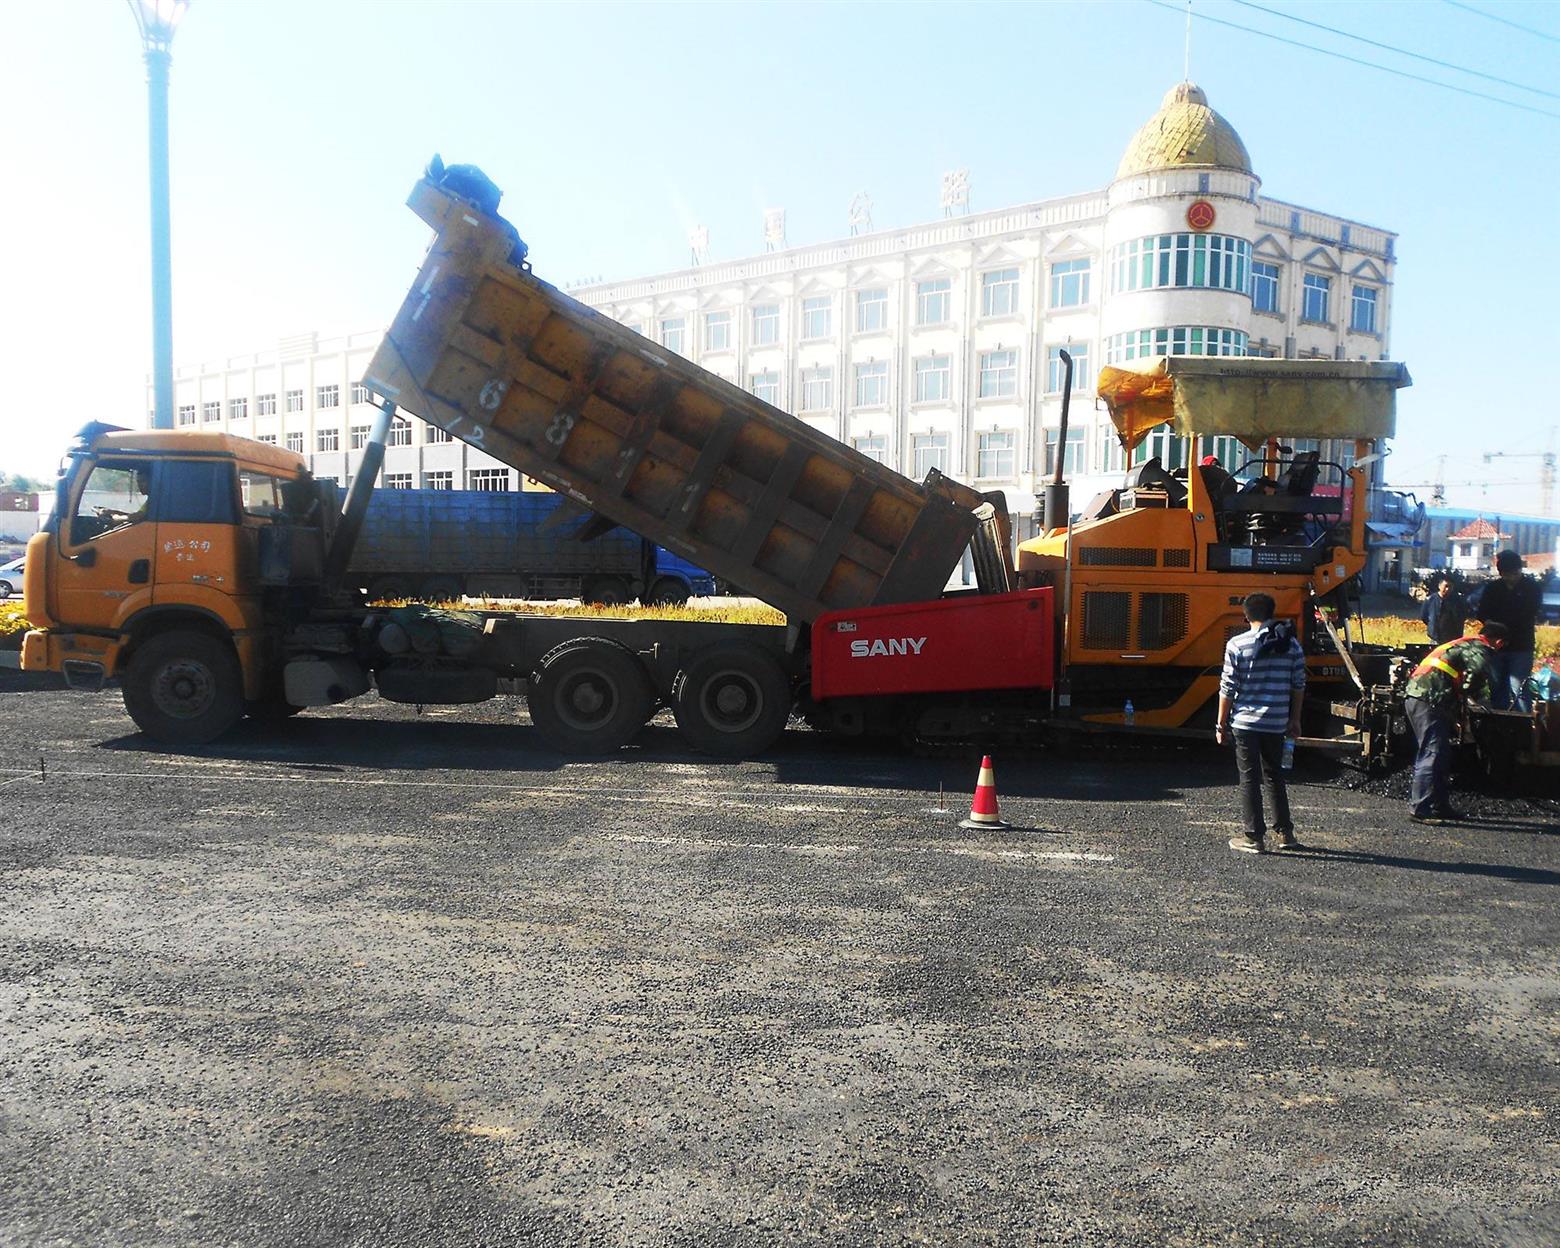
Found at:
(1058, 506)
(357, 499)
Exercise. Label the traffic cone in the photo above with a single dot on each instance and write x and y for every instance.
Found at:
(983, 810)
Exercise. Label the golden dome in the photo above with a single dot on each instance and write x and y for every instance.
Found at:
(1184, 133)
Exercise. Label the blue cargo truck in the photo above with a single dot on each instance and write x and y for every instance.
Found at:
(440, 544)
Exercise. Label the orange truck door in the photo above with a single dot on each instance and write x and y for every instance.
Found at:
(197, 533)
(108, 543)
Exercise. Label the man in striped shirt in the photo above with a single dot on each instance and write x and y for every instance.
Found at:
(1259, 702)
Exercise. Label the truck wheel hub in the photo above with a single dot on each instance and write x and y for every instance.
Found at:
(732, 703)
(184, 690)
(586, 700)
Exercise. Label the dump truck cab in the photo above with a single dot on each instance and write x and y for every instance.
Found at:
(1153, 574)
(168, 532)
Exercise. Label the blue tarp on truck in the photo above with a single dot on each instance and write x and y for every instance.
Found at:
(443, 543)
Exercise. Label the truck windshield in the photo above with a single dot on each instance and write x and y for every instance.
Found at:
(117, 493)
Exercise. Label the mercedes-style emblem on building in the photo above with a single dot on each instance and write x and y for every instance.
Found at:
(1200, 215)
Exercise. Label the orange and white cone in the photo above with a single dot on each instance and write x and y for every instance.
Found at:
(983, 810)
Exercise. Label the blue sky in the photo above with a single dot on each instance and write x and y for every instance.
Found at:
(298, 128)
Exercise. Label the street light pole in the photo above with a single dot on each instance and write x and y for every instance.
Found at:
(157, 20)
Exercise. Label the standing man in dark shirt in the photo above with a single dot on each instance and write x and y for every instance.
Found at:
(1512, 600)
(1445, 612)
(1433, 699)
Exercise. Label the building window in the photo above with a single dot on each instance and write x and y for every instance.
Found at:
(817, 317)
(1072, 456)
(265, 405)
(437, 434)
(873, 447)
(998, 374)
(766, 324)
(295, 400)
(1216, 261)
(1313, 306)
(1069, 283)
(1264, 287)
(360, 395)
(327, 396)
(1138, 344)
(766, 386)
(1110, 457)
(488, 480)
(932, 379)
(717, 331)
(187, 414)
(673, 333)
(1362, 310)
(295, 442)
(1056, 371)
(872, 384)
(999, 293)
(269, 439)
(238, 409)
(929, 450)
(1165, 445)
(994, 456)
(398, 480)
(327, 440)
(933, 301)
(211, 412)
(359, 437)
(871, 310)
(817, 389)
(400, 432)
(438, 480)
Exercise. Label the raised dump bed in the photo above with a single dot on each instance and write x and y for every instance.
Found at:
(647, 439)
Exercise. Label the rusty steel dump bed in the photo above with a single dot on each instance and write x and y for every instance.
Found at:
(646, 439)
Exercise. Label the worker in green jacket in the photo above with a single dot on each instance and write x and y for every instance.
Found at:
(1450, 675)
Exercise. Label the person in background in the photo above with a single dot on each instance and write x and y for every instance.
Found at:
(1511, 600)
(1259, 702)
(1450, 675)
(1445, 613)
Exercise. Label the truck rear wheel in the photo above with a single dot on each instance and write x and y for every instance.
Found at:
(608, 591)
(184, 687)
(732, 701)
(441, 589)
(589, 696)
(668, 592)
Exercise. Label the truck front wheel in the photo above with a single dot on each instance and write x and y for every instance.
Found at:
(589, 696)
(184, 688)
(733, 702)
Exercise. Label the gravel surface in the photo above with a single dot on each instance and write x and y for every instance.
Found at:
(383, 978)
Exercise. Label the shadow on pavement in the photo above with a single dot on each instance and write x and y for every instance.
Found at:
(1490, 870)
(330, 744)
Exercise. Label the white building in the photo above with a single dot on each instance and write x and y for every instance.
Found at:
(937, 345)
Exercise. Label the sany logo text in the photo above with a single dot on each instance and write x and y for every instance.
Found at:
(894, 645)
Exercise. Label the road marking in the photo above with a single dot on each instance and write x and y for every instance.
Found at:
(963, 851)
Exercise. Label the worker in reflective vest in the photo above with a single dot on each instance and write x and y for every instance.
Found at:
(1445, 679)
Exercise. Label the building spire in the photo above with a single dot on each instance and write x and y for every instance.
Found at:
(1186, 63)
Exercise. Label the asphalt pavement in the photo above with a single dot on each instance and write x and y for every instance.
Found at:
(388, 978)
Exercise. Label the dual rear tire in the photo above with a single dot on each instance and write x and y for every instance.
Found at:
(592, 695)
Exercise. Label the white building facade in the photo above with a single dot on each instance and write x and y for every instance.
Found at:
(937, 345)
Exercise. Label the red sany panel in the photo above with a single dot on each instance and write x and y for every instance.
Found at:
(945, 646)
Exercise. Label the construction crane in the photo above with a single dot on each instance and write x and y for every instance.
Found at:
(1546, 477)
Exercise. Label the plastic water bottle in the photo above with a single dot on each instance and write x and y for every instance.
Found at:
(1288, 763)
(1128, 715)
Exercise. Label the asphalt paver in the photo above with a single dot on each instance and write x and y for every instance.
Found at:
(382, 977)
